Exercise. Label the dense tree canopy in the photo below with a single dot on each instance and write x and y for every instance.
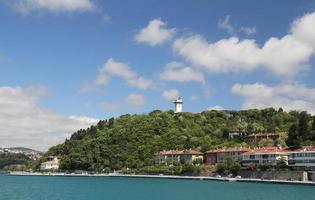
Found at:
(130, 141)
(10, 159)
(301, 132)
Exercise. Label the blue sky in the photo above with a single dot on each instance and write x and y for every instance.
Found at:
(93, 59)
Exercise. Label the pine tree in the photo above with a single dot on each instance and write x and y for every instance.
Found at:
(303, 128)
(294, 138)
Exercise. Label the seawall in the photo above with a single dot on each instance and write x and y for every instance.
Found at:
(250, 180)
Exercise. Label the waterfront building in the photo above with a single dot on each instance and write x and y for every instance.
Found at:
(178, 105)
(257, 137)
(51, 164)
(177, 157)
(264, 156)
(303, 159)
(221, 155)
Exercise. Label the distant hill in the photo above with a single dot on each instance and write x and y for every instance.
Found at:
(23, 149)
(130, 141)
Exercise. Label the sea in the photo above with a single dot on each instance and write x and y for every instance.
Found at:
(122, 188)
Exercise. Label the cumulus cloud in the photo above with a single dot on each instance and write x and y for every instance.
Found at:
(55, 6)
(135, 100)
(155, 33)
(171, 94)
(175, 71)
(24, 123)
(124, 71)
(284, 57)
(287, 96)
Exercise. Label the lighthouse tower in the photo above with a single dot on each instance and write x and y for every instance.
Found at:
(178, 105)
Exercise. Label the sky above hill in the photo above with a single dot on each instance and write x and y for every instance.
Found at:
(67, 63)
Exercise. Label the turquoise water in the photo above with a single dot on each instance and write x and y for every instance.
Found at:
(95, 188)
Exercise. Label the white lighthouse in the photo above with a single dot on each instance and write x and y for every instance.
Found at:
(178, 105)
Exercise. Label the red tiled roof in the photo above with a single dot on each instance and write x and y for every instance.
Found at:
(266, 150)
(234, 149)
(303, 149)
(192, 152)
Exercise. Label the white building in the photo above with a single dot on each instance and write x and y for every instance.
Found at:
(303, 158)
(178, 156)
(178, 105)
(264, 156)
(53, 163)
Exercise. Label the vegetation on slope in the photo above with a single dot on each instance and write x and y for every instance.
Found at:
(11, 161)
(130, 141)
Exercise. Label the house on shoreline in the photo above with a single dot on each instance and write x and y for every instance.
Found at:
(178, 156)
(221, 155)
(264, 156)
(303, 158)
(51, 164)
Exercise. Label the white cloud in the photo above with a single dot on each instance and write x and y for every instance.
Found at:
(303, 29)
(284, 57)
(84, 119)
(225, 24)
(55, 6)
(118, 69)
(24, 123)
(155, 33)
(175, 71)
(248, 30)
(102, 79)
(287, 96)
(135, 100)
(171, 94)
(216, 107)
(140, 83)
(124, 71)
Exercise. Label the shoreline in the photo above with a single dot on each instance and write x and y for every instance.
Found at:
(206, 178)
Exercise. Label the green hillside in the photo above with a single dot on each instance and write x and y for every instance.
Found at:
(9, 160)
(130, 141)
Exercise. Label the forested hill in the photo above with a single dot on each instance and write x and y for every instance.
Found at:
(131, 140)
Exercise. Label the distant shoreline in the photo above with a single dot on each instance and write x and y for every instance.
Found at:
(249, 180)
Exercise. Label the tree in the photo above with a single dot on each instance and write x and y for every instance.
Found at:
(266, 143)
(303, 128)
(300, 132)
(282, 163)
(229, 167)
(294, 138)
